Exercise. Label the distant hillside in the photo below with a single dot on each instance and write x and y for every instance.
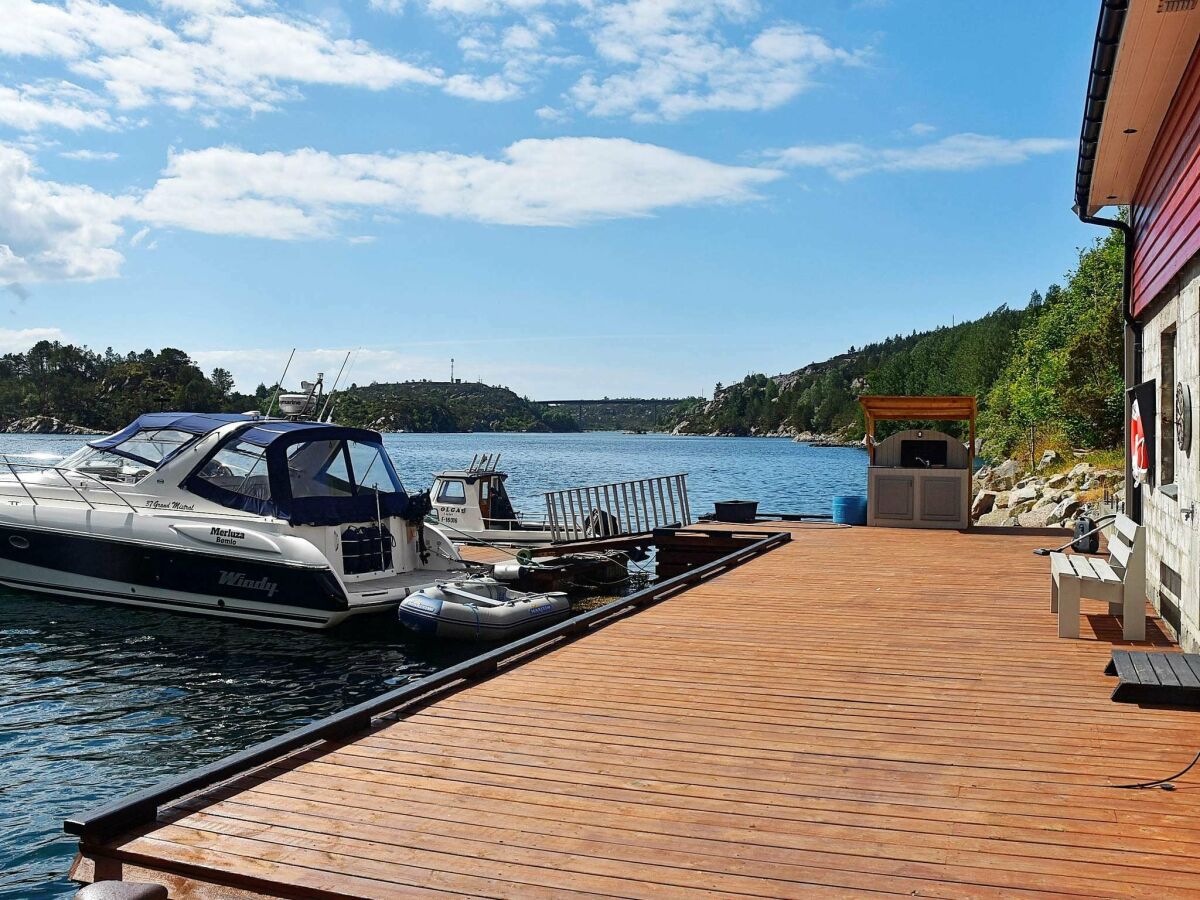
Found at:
(822, 397)
(440, 406)
(619, 415)
(105, 391)
(1047, 374)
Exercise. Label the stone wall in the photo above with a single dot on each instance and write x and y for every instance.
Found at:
(1168, 511)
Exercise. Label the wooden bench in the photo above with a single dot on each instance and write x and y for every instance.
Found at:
(1172, 678)
(1121, 580)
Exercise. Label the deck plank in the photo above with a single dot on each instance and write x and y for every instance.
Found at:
(862, 711)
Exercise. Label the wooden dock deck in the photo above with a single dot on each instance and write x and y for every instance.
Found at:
(860, 711)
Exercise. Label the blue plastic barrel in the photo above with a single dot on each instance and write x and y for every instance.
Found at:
(850, 509)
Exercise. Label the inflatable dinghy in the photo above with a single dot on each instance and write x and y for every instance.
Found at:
(480, 609)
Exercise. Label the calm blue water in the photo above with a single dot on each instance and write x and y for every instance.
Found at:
(97, 701)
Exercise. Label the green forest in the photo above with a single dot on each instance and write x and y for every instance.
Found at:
(105, 391)
(1047, 374)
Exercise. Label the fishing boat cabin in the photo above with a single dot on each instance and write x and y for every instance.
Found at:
(473, 505)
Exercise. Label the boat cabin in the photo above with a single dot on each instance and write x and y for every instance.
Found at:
(474, 500)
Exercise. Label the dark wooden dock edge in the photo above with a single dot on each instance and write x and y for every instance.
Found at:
(142, 807)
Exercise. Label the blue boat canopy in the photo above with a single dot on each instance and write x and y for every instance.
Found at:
(308, 473)
(191, 423)
(305, 472)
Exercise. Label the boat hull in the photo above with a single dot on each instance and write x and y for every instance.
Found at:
(173, 578)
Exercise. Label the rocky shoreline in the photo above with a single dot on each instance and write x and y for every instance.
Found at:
(1007, 496)
(811, 438)
(43, 425)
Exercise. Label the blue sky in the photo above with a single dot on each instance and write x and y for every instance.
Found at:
(569, 197)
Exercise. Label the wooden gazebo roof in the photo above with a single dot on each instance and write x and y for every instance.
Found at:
(879, 408)
(940, 409)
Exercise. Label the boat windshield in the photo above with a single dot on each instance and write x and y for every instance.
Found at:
(106, 466)
(145, 448)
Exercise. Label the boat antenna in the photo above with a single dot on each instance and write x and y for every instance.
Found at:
(279, 383)
(332, 401)
(333, 390)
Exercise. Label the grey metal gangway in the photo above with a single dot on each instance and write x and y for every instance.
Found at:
(621, 507)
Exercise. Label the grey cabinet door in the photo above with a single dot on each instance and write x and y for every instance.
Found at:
(894, 497)
(941, 499)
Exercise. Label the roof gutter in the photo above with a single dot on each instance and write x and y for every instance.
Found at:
(1104, 61)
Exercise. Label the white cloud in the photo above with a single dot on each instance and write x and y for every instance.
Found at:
(469, 8)
(557, 182)
(652, 59)
(90, 155)
(61, 104)
(493, 87)
(954, 153)
(18, 340)
(673, 58)
(921, 129)
(214, 54)
(51, 231)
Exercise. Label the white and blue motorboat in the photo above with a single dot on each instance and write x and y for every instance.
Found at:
(232, 515)
(480, 609)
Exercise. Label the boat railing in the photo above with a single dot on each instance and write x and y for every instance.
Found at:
(621, 507)
(28, 486)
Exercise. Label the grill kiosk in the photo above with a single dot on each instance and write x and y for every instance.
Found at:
(919, 478)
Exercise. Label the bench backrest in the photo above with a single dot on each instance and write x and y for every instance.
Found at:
(1127, 554)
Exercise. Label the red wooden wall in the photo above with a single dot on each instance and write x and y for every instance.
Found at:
(1166, 208)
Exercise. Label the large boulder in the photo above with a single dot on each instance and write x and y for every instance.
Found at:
(1049, 458)
(1057, 481)
(1040, 517)
(1048, 498)
(1004, 475)
(1025, 494)
(1081, 471)
(1002, 500)
(995, 517)
(1066, 508)
(984, 501)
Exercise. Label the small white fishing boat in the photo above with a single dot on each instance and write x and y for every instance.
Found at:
(480, 609)
(473, 506)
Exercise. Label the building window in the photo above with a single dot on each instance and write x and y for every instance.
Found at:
(1166, 405)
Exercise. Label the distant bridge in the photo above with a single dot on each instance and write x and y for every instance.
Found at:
(623, 401)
